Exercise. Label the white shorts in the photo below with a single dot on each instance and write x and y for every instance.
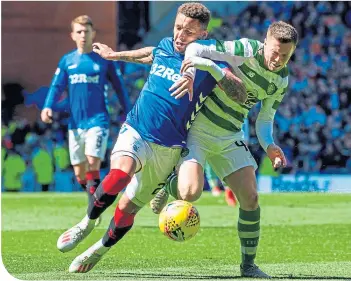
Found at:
(225, 151)
(91, 142)
(154, 164)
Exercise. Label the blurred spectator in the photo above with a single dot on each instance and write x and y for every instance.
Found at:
(43, 166)
(61, 156)
(215, 22)
(14, 167)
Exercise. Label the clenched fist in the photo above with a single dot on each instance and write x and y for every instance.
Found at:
(46, 115)
(276, 155)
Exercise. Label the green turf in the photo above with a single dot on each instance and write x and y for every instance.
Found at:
(304, 237)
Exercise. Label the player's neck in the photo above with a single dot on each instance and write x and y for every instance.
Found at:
(261, 59)
(85, 50)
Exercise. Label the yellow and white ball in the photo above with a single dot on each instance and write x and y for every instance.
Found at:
(179, 220)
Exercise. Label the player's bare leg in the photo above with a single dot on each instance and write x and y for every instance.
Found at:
(187, 185)
(230, 197)
(190, 181)
(80, 171)
(93, 178)
(243, 184)
(120, 224)
(121, 172)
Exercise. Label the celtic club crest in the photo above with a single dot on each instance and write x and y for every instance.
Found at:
(271, 89)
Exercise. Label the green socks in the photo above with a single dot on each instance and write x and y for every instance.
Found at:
(249, 233)
(172, 186)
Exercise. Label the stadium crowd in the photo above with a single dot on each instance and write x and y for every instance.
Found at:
(312, 125)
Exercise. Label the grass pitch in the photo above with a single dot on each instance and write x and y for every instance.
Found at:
(303, 237)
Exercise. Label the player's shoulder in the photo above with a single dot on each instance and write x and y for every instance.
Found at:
(246, 40)
(68, 57)
(166, 42)
(244, 47)
(98, 59)
(165, 48)
(251, 41)
(209, 41)
(249, 46)
(284, 73)
(205, 42)
(70, 54)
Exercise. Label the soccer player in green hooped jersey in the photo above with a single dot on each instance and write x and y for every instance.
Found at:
(216, 135)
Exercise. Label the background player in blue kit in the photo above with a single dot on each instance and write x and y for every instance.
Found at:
(84, 74)
(150, 142)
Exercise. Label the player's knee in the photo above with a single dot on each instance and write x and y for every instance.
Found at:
(251, 200)
(94, 163)
(191, 193)
(127, 206)
(190, 197)
(124, 163)
(92, 159)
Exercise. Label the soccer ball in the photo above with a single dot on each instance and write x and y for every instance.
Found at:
(179, 220)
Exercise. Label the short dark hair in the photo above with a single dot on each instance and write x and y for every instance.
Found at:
(283, 32)
(196, 11)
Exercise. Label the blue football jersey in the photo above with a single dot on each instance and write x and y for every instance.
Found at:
(157, 116)
(85, 76)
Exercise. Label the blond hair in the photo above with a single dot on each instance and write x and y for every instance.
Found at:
(196, 11)
(283, 32)
(83, 20)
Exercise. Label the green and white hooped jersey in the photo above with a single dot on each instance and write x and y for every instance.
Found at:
(245, 56)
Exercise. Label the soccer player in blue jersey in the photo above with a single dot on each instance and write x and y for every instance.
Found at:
(216, 136)
(152, 139)
(84, 74)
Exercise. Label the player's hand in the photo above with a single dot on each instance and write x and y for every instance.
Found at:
(197, 62)
(276, 155)
(104, 51)
(46, 115)
(182, 86)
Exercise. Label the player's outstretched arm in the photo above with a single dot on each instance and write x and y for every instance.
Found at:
(223, 50)
(143, 55)
(228, 51)
(230, 84)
